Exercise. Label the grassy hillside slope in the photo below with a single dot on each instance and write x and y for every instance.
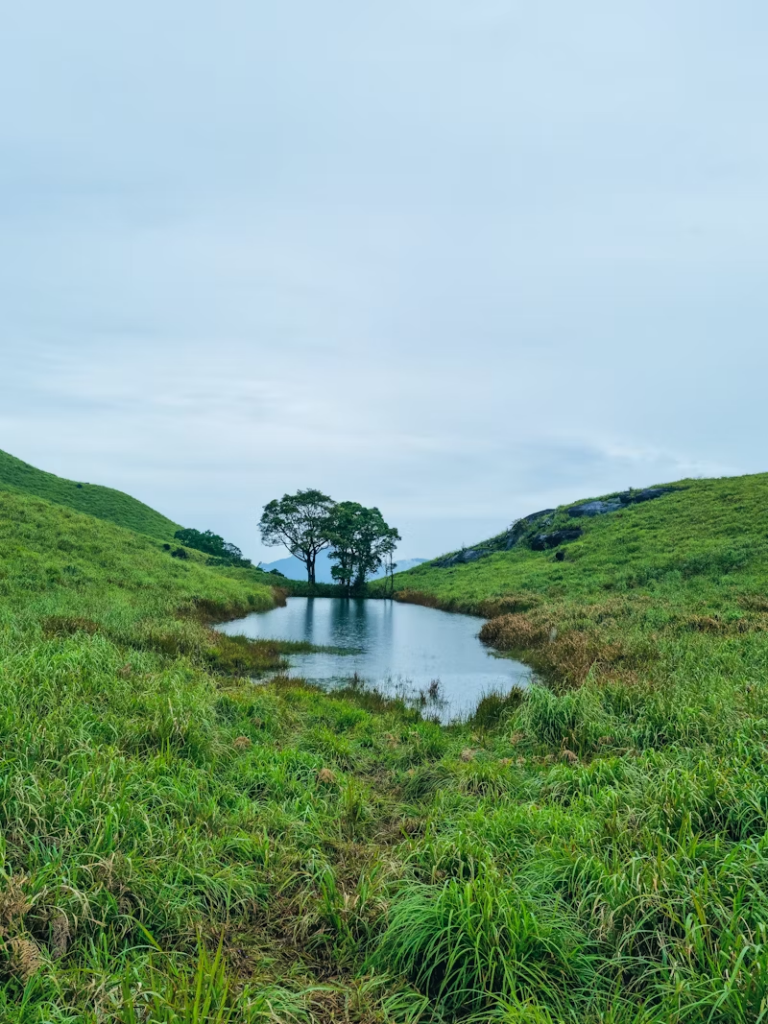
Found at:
(53, 558)
(178, 846)
(690, 562)
(101, 502)
(626, 838)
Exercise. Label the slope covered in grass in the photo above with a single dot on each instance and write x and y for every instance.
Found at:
(181, 846)
(612, 866)
(101, 502)
(53, 558)
(169, 832)
(692, 561)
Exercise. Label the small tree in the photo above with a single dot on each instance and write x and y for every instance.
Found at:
(300, 522)
(389, 572)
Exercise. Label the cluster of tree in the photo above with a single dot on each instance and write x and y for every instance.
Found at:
(221, 551)
(358, 538)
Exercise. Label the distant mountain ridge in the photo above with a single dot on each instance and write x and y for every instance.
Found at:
(294, 569)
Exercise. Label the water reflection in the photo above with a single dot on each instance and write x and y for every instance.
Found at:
(397, 647)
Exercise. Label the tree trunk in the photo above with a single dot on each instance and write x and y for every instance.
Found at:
(311, 570)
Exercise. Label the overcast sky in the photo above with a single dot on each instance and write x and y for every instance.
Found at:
(462, 259)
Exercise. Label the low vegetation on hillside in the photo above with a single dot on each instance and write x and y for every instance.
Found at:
(220, 552)
(180, 846)
(177, 844)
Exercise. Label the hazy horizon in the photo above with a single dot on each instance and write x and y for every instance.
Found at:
(461, 262)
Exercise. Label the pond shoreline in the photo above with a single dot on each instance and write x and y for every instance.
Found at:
(405, 650)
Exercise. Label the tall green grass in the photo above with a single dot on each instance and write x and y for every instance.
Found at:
(176, 844)
(179, 845)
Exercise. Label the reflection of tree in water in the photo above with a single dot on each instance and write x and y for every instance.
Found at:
(430, 659)
(359, 623)
(309, 621)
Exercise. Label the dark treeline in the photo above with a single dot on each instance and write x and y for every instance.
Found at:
(221, 551)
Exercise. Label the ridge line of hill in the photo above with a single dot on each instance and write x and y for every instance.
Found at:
(93, 499)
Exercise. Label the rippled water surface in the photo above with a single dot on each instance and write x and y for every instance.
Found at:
(396, 647)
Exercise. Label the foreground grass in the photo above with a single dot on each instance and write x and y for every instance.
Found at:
(177, 844)
(181, 846)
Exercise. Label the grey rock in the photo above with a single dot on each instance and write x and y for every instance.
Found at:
(600, 508)
(473, 554)
(544, 541)
(462, 557)
(522, 529)
(517, 529)
(632, 497)
(594, 508)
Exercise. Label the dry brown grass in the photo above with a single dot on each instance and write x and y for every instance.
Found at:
(508, 605)
(569, 651)
(706, 624)
(24, 958)
(417, 597)
(60, 936)
(515, 632)
(489, 608)
(14, 904)
(68, 625)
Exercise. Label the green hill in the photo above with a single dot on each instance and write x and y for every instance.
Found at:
(692, 559)
(57, 559)
(178, 844)
(101, 502)
(157, 806)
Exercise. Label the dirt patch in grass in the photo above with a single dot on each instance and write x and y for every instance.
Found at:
(68, 625)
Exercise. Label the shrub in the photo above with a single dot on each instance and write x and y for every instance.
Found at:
(577, 720)
(494, 707)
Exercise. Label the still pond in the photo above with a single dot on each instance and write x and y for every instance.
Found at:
(398, 648)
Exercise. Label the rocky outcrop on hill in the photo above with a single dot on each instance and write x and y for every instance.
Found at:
(544, 541)
(600, 508)
(522, 526)
(529, 529)
(462, 557)
(503, 542)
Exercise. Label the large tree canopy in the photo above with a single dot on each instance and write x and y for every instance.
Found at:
(299, 521)
(309, 521)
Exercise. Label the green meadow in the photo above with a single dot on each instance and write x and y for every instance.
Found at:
(179, 846)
